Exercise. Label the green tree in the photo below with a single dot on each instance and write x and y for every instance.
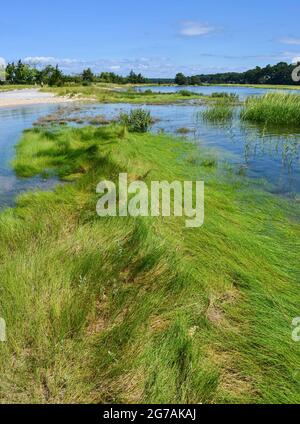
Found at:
(11, 73)
(180, 79)
(20, 73)
(134, 78)
(52, 76)
(195, 80)
(88, 76)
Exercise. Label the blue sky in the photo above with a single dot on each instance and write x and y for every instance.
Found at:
(157, 38)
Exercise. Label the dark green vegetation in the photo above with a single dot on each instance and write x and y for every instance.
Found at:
(186, 93)
(22, 73)
(181, 79)
(144, 310)
(273, 109)
(225, 96)
(280, 74)
(138, 120)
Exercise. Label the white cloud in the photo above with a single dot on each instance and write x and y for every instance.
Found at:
(2, 61)
(48, 60)
(290, 57)
(290, 41)
(153, 66)
(195, 29)
(296, 60)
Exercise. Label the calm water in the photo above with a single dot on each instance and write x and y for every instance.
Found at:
(13, 121)
(270, 157)
(242, 92)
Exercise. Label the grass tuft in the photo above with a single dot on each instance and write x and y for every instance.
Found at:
(273, 109)
(221, 111)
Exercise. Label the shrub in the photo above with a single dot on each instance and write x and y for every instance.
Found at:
(274, 109)
(138, 120)
(186, 93)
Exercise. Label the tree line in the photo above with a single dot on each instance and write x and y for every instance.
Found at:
(281, 74)
(22, 73)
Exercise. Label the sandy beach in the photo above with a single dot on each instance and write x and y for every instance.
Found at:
(30, 96)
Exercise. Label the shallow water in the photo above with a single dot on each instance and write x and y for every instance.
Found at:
(270, 157)
(242, 92)
(13, 121)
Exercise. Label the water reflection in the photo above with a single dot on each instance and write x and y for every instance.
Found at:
(265, 152)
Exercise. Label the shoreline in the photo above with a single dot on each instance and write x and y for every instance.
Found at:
(27, 97)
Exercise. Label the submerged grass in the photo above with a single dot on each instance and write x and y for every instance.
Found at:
(144, 310)
(220, 111)
(273, 109)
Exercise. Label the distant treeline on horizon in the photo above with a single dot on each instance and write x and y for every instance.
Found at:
(22, 73)
(281, 73)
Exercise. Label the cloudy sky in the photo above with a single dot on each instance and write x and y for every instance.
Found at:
(156, 38)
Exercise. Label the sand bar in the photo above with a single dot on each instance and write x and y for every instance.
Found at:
(30, 96)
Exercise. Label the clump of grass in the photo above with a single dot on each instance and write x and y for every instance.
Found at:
(138, 120)
(183, 130)
(186, 93)
(222, 95)
(209, 162)
(218, 112)
(273, 109)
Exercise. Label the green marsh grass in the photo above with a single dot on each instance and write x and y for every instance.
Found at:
(143, 310)
(273, 109)
(137, 120)
(226, 96)
(9, 87)
(220, 111)
(110, 94)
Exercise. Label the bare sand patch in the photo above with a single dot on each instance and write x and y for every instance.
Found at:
(31, 96)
